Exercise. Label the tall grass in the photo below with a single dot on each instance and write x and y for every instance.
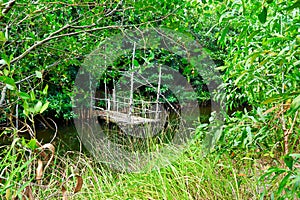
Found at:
(191, 176)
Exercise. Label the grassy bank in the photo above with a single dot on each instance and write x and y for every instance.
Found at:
(192, 176)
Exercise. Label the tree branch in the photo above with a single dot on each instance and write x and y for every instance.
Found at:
(7, 8)
(3, 92)
(54, 36)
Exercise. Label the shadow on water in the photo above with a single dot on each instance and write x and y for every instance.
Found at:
(66, 139)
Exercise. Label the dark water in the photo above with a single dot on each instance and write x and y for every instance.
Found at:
(67, 137)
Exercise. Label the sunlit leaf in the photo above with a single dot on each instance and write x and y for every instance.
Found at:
(8, 81)
(295, 105)
(26, 107)
(45, 90)
(2, 37)
(38, 106)
(32, 95)
(296, 155)
(38, 74)
(32, 144)
(24, 95)
(5, 71)
(10, 87)
(44, 107)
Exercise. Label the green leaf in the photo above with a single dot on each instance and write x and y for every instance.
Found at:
(31, 110)
(295, 5)
(251, 36)
(32, 95)
(5, 71)
(32, 144)
(10, 87)
(197, 50)
(296, 155)
(295, 104)
(45, 90)
(224, 32)
(23, 142)
(279, 97)
(26, 108)
(9, 81)
(38, 106)
(289, 162)
(38, 74)
(44, 107)
(283, 183)
(240, 77)
(2, 37)
(263, 15)
(24, 95)
(136, 63)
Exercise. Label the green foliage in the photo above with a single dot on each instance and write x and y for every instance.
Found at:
(289, 179)
(15, 175)
(255, 45)
(51, 39)
(261, 68)
(263, 56)
(148, 58)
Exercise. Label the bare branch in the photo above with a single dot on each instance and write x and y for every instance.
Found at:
(113, 10)
(82, 27)
(59, 30)
(51, 37)
(24, 79)
(54, 36)
(7, 8)
(55, 130)
(3, 95)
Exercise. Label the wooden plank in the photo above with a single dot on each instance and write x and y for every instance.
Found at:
(118, 117)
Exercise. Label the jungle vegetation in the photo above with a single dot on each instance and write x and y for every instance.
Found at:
(255, 47)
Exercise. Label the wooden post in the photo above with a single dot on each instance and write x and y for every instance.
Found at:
(114, 96)
(158, 91)
(105, 93)
(89, 115)
(144, 109)
(108, 104)
(131, 82)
